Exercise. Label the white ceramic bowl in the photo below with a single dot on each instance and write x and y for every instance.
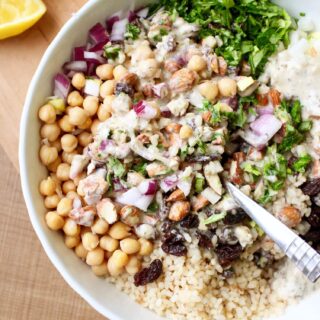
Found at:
(97, 292)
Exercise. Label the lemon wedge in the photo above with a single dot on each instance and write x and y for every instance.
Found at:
(17, 16)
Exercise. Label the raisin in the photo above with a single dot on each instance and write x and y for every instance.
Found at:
(204, 241)
(173, 243)
(235, 217)
(314, 217)
(228, 253)
(124, 88)
(166, 226)
(190, 221)
(231, 102)
(313, 236)
(311, 187)
(291, 161)
(148, 275)
(226, 235)
(176, 249)
(203, 158)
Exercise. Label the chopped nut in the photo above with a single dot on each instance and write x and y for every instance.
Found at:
(179, 210)
(130, 215)
(182, 80)
(223, 67)
(199, 203)
(176, 195)
(290, 216)
(262, 99)
(83, 216)
(173, 127)
(172, 66)
(108, 210)
(206, 116)
(275, 97)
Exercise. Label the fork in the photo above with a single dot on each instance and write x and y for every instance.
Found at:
(300, 252)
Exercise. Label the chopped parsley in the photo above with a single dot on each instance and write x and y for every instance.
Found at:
(158, 37)
(132, 31)
(199, 183)
(251, 169)
(153, 207)
(202, 147)
(302, 163)
(140, 168)
(215, 218)
(116, 167)
(111, 52)
(292, 137)
(249, 29)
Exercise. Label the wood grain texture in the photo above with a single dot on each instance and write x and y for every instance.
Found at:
(30, 287)
(19, 58)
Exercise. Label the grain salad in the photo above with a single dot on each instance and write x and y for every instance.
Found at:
(148, 121)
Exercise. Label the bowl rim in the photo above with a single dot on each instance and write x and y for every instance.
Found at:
(26, 188)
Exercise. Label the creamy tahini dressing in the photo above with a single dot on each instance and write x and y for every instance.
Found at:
(296, 73)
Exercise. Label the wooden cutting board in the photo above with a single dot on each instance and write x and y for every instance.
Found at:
(30, 287)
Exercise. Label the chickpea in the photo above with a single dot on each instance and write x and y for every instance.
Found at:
(90, 241)
(119, 230)
(50, 131)
(71, 241)
(119, 72)
(47, 187)
(119, 258)
(100, 270)
(113, 269)
(146, 247)
(197, 63)
(94, 126)
(209, 90)
(65, 124)
(133, 266)
(130, 246)
(68, 186)
(290, 216)
(84, 230)
(81, 251)
(86, 125)
(185, 132)
(103, 113)
(48, 154)
(109, 244)
(68, 156)
(47, 113)
(55, 179)
(100, 226)
(72, 195)
(148, 68)
(105, 71)
(85, 138)
(77, 116)
(52, 167)
(54, 221)
(227, 87)
(107, 102)
(78, 80)
(75, 99)
(95, 257)
(64, 207)
(91, 104)
(69, 142)
(63, 171)
(51, 202)
(107, 88)
(70, 228)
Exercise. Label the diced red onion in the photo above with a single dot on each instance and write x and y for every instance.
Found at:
(142, 13)
(135, 198)
(184, 185)
(118, 30)
(78, 54)
(161, 90)
(144, 110)
(267, 125)
(91, 70)
(98, 34)
(148, 187)
(94, 57)
(165, 112)
(118, 186)
(78, 66)
(132, 16)
(254, 140)
(70, 73)
(111, 21)
(169, 182)
(61, 86)
(265, 110)
(98, 48)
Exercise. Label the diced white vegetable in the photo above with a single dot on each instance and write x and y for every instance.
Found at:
(244, 83)
(211, 195)
(92, 87)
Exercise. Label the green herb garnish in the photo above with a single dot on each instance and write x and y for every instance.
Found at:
(215, 218)
(111, 52)
(199, 183)
(140, 168)
(153, 207)
(132, 31)
(302, 163)
(115, 166)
